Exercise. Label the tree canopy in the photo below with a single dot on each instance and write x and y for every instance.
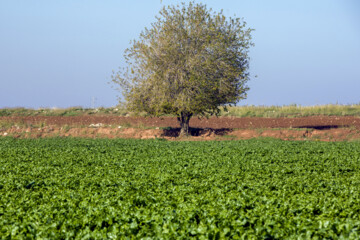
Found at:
(190, 62)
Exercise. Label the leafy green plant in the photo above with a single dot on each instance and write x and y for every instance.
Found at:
(101, 189)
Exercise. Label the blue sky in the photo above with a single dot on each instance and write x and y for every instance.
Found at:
(62, 53)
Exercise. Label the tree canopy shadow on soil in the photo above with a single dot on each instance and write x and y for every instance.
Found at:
(195, 132)
(323, 127)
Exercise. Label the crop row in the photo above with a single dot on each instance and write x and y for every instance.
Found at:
(111, 189)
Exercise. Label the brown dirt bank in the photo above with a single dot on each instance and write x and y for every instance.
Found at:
(322, 128)
(338, 134)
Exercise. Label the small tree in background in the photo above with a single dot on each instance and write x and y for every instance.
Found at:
(190, 62)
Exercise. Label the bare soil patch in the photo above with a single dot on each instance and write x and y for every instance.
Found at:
(324, 128)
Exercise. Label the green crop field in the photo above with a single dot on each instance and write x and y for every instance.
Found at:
(153, 189)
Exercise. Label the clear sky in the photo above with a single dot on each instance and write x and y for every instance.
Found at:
(62, 53)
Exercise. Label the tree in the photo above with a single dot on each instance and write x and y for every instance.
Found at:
(190, 62)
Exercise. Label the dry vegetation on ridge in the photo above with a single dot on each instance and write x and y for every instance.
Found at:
(236, 111)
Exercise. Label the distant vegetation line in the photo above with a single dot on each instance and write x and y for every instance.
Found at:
(236, 111)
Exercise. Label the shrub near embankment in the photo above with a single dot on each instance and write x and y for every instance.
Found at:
(102, 189)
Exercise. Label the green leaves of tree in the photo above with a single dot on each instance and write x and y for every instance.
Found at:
(192, 60)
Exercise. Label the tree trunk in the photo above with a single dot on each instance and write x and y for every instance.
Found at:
(184, 120)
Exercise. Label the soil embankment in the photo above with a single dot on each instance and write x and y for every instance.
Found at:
(325, 128)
